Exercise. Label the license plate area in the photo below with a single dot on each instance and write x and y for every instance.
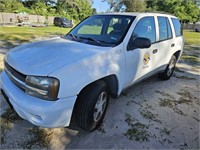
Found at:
(6, 98)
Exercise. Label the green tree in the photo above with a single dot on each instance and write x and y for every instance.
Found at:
(94, 11)
(185, 10)
(75, 9)
(192, 11)
(39, 8)
(11, 6)
(115, 5)
(135, 5)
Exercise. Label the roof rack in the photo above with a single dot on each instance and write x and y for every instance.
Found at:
(161, 12)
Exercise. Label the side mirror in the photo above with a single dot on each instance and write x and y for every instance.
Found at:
(139, 42)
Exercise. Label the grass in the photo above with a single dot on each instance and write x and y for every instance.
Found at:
(90, 30)
(191, 59)
(12, 35)
(192, 38)
(25, 34)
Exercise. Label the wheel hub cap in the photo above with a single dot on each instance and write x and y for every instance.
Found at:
(100, 106)
(171, 67)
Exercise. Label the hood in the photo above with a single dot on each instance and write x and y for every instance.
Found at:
(41, 58)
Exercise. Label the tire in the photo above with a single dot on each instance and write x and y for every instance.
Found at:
(169, 69)
(63, 26)
(92, 105)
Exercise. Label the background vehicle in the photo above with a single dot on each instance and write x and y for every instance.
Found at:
(197, 27)
(63, 22)
(99, 58)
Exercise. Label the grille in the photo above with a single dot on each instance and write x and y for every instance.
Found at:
(15, 76)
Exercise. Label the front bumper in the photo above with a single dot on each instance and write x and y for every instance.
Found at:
(39, 112)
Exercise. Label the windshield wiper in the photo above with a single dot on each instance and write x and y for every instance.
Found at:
(73, 36)
(91, 39)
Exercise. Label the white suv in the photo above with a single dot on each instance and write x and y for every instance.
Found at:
(48, 81)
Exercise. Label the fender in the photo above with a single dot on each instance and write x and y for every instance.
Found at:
(75, 76)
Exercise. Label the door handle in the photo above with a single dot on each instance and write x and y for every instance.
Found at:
(155, 51)
(173, 45)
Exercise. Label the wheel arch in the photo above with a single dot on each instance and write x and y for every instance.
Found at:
(177, 54)
(112, 84)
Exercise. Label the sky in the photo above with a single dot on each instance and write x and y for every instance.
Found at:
(100, 6)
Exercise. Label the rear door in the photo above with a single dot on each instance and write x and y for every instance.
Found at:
(178, 35)
(166, 42)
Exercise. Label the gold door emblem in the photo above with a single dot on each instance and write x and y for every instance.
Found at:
(146, 58)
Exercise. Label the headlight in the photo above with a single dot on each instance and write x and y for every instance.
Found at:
(42, 87)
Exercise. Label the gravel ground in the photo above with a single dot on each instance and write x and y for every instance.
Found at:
(153, 114)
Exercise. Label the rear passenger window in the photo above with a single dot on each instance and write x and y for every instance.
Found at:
(169, 29)
(164, 28)
(145, 28)
(177, 26)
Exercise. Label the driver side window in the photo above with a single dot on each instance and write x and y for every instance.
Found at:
(145, 28)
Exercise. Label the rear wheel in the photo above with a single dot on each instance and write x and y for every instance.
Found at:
(91, 106)
(169, 69)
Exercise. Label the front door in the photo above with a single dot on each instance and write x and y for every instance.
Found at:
(141, 62)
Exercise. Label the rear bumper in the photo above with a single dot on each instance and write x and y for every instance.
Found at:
(39, 112)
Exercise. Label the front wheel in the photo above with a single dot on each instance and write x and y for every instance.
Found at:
(169, 69)
(91, 106)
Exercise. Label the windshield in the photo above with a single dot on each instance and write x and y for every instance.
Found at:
(65, 20)
(101, 30)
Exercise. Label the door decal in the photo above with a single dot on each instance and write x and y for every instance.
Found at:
(146, 58)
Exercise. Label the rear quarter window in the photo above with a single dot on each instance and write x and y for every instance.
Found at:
(177, 26)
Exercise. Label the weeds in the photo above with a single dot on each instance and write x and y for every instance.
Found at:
(5, 126)
(165, 140)
(149, 115)
(166, 95)
(186, 97)
(169, 101)
(129, 119)
(137, 131)
(101, 128)
(8, 117)
(178, 70)
(39, 137)
(165, 131)
(184, 77)
(196, 119)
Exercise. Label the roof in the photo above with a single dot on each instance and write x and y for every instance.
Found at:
(138, 13)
